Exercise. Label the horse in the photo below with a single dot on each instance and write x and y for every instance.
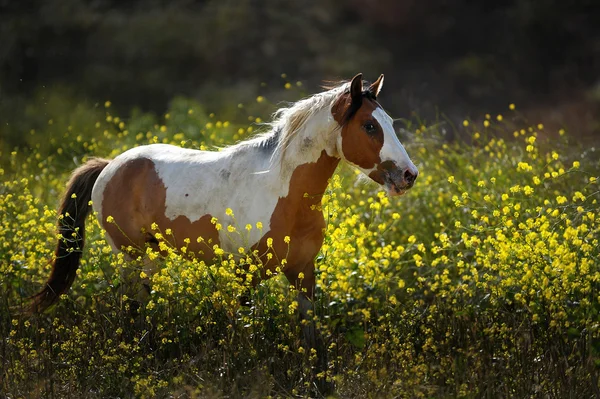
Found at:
(277, 178)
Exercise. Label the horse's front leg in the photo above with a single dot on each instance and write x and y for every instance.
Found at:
(310, 332)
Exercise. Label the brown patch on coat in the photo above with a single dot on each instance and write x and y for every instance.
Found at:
(300, 217)
(136, 197)
(359, 147)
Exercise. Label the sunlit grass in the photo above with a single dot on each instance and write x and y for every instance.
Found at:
(482, 281)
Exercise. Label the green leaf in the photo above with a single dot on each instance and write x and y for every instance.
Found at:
(356, 337)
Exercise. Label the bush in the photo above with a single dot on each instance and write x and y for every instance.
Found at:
(481, 282)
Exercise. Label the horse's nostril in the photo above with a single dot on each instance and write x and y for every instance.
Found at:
(410, 176)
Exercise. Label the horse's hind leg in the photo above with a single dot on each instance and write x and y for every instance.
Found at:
(138, 267)
(138, 271)
(135, 279)
(311, 334)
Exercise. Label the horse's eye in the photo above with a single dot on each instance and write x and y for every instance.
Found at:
(370, 127)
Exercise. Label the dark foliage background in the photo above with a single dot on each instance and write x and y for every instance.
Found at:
(459, 57)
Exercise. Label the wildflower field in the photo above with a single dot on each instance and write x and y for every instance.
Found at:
(482, 281)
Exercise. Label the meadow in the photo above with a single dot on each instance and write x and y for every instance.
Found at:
(482, 281)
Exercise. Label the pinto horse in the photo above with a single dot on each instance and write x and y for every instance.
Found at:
(277, 178)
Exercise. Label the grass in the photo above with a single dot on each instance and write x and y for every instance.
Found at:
(483, 281)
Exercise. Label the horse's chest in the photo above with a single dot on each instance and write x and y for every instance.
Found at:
(307, 241)
(297, 237)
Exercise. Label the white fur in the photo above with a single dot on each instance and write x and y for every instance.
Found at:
(392, 149)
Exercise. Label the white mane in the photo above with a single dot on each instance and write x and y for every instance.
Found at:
(289, 121)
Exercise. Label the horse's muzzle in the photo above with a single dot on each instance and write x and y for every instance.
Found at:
(395, 180)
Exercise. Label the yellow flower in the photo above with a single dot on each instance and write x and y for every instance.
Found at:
(228, 212)
(218, 251)
(578, 196)
(269, 242)
(110, 219)
(259, 225)
(286, 239)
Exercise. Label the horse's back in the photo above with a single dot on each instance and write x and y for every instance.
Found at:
(142, 165)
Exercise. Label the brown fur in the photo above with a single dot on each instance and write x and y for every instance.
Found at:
(146, 204)
(387, 167)
(71, 225)
(358, 147)
(300, 217)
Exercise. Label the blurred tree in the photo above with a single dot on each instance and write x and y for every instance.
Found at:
(456, 54)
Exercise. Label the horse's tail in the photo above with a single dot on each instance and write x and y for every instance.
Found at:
(74, 208)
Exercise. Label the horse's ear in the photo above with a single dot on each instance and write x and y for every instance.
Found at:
(356, 89)
(375, 88)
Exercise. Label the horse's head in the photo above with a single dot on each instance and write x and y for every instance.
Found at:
(368, 140)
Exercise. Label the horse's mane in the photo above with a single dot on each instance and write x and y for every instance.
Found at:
(288, 121)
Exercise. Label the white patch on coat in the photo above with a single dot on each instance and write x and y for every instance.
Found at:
(392, 149)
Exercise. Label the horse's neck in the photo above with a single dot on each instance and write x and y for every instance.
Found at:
(298, 213)
(312, 178)
(309, 161)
